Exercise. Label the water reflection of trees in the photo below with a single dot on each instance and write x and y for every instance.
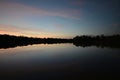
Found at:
(112, 41)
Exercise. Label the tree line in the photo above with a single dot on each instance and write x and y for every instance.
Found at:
(110, 41)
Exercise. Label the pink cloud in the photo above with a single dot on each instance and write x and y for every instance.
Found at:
(10, 29)
(19, 10)
(13, 30)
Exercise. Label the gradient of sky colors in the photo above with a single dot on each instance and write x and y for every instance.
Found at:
(59, 18)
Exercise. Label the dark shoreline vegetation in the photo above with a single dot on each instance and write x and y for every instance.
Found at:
(108, 41)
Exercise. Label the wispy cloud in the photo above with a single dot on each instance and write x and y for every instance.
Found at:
(19, 10)
(78, 2)
(13, 30)
(9, 29)
(56, 25)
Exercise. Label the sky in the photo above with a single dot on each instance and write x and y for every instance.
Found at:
(59, 18)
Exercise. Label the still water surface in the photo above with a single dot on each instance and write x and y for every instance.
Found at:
(58, 60)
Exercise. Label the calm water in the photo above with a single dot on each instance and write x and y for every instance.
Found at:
(60, 60)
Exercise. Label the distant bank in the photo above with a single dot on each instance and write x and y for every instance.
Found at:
(109, 41)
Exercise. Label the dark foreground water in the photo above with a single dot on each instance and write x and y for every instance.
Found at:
(59, 61)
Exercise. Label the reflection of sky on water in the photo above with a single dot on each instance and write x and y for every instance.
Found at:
(57, 56)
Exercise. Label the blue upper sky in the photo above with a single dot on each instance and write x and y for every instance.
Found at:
(59, 18)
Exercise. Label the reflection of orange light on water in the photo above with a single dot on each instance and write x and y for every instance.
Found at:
(36, 47)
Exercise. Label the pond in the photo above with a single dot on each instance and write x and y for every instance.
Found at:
(46, 61)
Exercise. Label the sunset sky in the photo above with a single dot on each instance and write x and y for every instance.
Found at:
(59, 18)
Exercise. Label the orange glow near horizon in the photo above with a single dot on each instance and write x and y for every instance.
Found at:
(13, 30)
(40, 35)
